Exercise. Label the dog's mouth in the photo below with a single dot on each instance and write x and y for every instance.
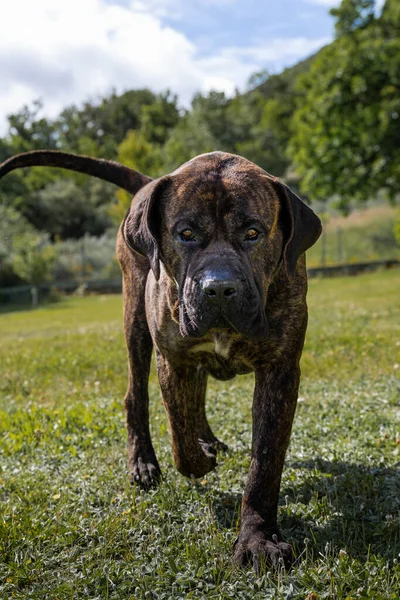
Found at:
(222, 323)
(191, 325)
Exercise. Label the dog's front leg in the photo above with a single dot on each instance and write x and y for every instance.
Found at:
(183, 390)
(142, 461)
(274, 406)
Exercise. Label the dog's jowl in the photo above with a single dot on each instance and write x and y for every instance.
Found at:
(214, 279)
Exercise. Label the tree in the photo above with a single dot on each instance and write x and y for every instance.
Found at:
(159, 118)
(191, 136)
(33, 259)
(265, 122)
(64, 210)
(99, 127)
(12, 226)
(346, 131)
(28, 131)
(211, 109)
(353, 14)
(137, 152)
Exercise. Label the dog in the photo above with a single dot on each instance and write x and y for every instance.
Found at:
(214, 279)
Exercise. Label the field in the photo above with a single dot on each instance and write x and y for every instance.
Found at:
(365, 235)
(71, 527)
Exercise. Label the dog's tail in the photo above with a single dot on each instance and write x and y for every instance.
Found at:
(108, 170)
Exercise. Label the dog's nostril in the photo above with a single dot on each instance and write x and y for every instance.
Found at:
(229, 292)
(210, 292)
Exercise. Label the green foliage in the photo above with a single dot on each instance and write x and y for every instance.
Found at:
(64, 210)
(5, 149)
(29, 131)
(391, 12)
(213, 123)
(90, 257)
(262, 128)
(190, 137)
(72, 526)
(33, 257)
(137, 152)
(12, 226)
(211, 109)
(99, 127)
(353, 14)
(159, 118)
(345, 140)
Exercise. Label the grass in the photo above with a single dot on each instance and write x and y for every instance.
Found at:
(71, 527)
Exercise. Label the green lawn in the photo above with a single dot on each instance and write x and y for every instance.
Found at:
(71, 527)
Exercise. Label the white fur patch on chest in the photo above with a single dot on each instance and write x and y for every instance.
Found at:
(222, 348)
(219, 347)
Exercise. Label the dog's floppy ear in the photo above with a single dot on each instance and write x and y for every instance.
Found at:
(141, 227)
(301, 225)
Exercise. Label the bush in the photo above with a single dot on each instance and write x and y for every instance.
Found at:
(12, 226)
(88, 258)
(33, 257)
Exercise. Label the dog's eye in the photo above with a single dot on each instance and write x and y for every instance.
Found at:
(187, 235)
(252, 234)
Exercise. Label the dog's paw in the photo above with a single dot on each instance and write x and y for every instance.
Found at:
(260, 549)
(145, 473)
(197, 463)
(211, 447)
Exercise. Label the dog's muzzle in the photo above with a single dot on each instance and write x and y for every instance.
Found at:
(221, 298)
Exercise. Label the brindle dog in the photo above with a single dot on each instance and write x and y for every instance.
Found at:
(214, 278)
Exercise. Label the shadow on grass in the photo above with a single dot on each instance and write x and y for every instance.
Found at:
(345, 505)
(26, 307)
(337, 505)
(226, 508)
(10, 308)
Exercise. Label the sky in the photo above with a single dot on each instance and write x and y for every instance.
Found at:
(66, 52)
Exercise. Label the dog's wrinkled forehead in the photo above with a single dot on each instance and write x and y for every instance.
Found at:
(220, 185)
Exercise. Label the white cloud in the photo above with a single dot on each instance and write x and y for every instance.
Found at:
(327, 3)
(67, 52)
(218, 3)
(159, 8)
(173, 8)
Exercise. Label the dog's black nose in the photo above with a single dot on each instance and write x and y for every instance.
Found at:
(220, 290)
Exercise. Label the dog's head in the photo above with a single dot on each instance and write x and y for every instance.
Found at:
(222, 228)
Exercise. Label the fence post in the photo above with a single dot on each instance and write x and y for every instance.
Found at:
(339, 245)
(34, 296)
(323, 249)
(83, 258)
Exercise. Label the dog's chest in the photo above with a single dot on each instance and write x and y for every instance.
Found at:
(220, 358)
(217, 346)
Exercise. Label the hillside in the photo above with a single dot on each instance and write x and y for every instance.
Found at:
(286, 78)
(365, 235)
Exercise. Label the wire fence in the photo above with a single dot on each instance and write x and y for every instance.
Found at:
(340, 245)
(47, 292)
